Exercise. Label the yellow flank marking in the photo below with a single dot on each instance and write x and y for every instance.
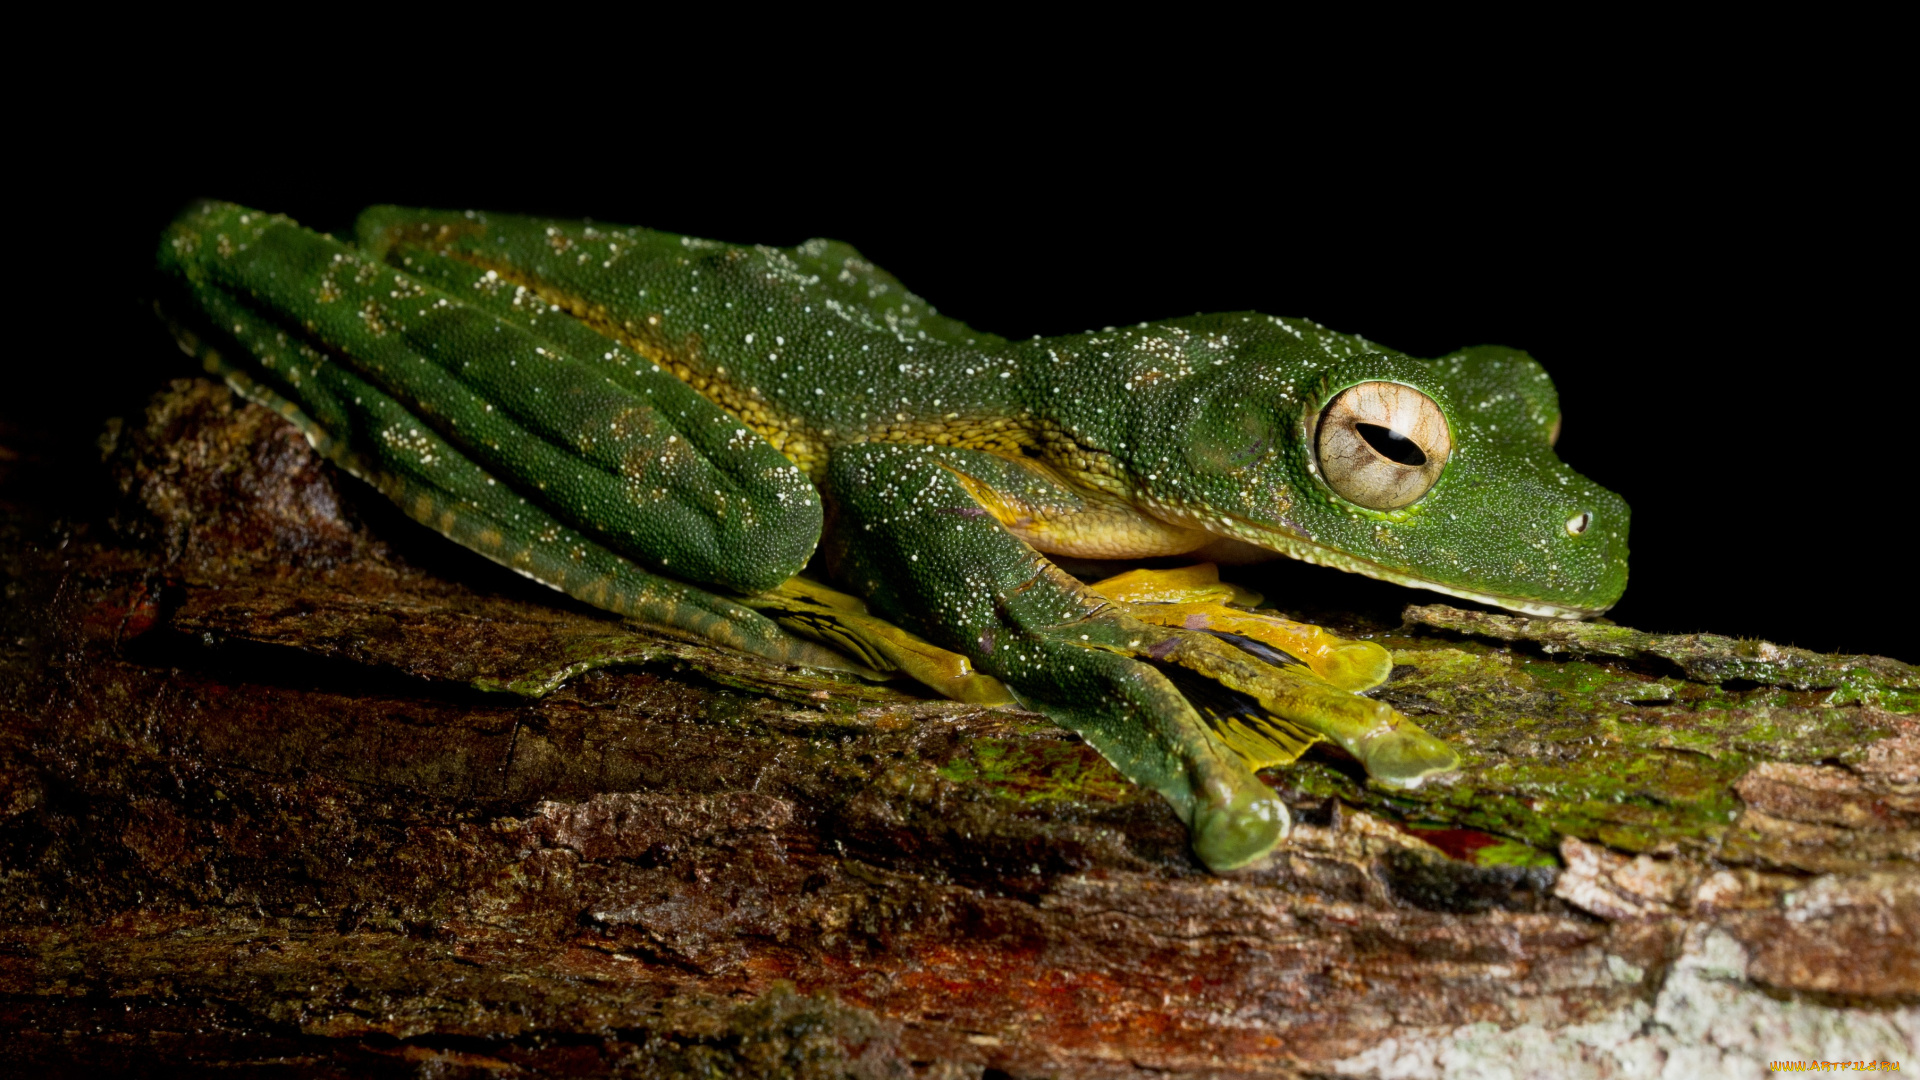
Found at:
(788, 434)
(1070, 461)
(995, 434)
(1096, 528)
(488, 538)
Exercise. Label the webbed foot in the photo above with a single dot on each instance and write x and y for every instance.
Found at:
(834, 618)
(1268, 713)
(1194, 598)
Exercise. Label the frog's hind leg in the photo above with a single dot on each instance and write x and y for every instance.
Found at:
(1194, 598)
(438, 486)
(535, 443)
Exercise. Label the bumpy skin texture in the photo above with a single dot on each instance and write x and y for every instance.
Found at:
(648, 421)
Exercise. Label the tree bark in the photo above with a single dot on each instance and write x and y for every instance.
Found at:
(287, 785)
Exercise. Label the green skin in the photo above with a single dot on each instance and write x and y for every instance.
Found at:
(511, 382)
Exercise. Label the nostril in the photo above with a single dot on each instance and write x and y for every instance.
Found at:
(1578, 523)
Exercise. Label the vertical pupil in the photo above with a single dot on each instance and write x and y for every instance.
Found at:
(1392, 445)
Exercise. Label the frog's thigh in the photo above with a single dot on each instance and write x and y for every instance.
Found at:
(1194, 598)
(912, 540)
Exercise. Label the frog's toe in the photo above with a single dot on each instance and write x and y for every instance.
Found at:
(1232, 832)
(1274, 712)
(1404, 756)
(1355, 666)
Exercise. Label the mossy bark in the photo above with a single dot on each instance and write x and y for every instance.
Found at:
(285, 784)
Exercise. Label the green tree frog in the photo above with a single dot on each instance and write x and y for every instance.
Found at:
(674, 429)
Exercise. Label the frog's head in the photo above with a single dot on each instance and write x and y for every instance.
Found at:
(1438, 474)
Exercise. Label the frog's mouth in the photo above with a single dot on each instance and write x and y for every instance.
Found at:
(1295, 546)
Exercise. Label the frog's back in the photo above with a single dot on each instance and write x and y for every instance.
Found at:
(812, 345)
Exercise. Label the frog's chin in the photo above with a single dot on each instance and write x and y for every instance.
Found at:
(1511, 603)
(1232, 550)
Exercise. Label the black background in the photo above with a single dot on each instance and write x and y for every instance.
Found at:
(1706, 277)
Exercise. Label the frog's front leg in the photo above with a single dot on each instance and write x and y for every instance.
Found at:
(910, 536)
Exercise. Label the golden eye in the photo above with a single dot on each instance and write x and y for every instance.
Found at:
(1382, 444)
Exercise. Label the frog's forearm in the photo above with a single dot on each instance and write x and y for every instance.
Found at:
(923, 552)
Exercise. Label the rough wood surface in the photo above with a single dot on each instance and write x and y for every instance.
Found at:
(287, 788)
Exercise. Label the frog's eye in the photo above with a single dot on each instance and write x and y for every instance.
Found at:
(1383, 444)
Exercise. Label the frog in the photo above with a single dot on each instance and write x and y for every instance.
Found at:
(784, 451)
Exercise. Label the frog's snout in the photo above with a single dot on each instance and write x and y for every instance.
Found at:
(1594, 540)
